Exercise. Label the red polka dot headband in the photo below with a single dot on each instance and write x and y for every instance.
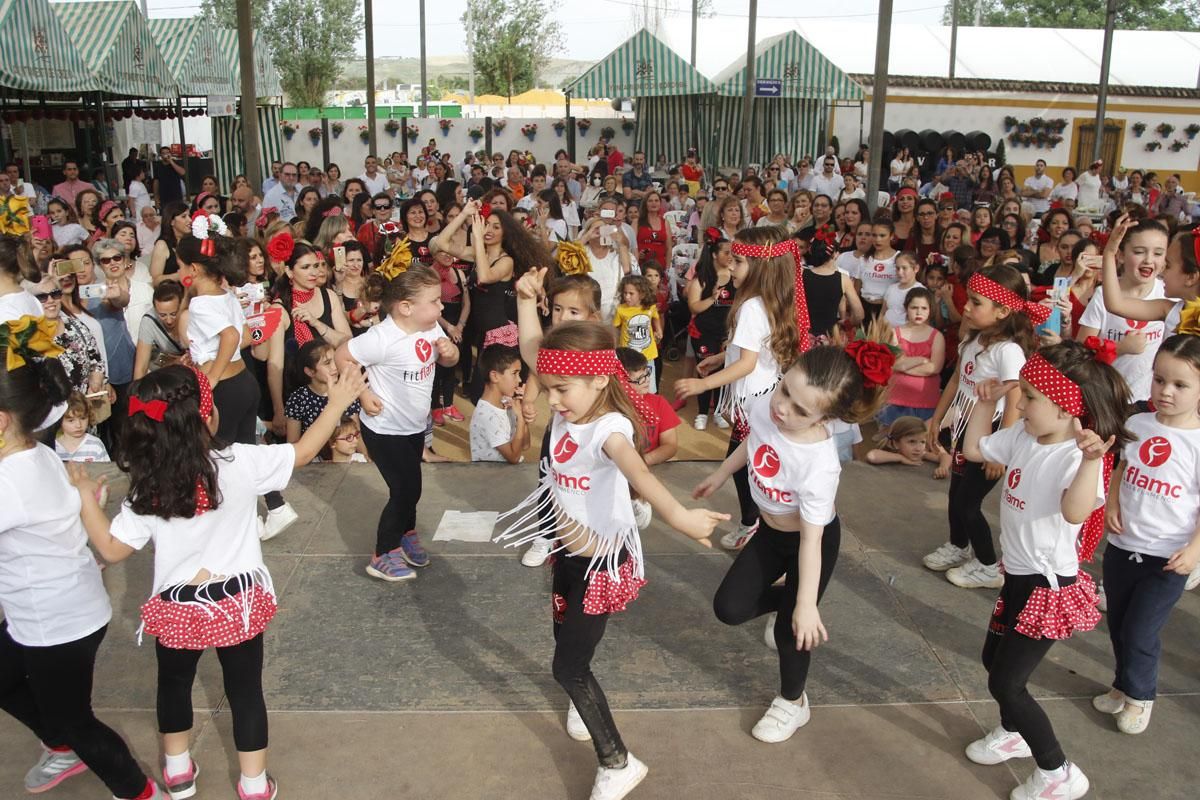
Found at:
(986, 287)
(594, 362)
(788, 246)
(1047, 379)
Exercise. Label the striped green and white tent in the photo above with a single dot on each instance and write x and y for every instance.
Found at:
(791, 126)
(193, 54)
(117, 47)
(227, 144)
(266, 77)
(36, 53)
(800, 69)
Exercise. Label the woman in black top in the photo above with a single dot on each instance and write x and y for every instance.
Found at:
(177, 222)
(826, 287)
(709, 297)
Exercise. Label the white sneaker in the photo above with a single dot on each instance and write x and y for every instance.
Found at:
(1111, 702)
(1193, 579)
(538, 552)
(701, 422)
(575, 727)
(737, 538)
(278, 520)
(1102, 596)
(722, 423)
(782, 719)
(974, 575)
(769, 633)
(1135, 716)
(613, 784)
(1065, 783)
(998, 745)
(947, 556)
(642, 513)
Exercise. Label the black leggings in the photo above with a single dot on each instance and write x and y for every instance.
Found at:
(749, 591)
(398, 458)
(1010, 659)
(576, 635)
(49, 691)
(236, 400)
(704, 347)
(241, 669)
(741, 481)
(968, 487)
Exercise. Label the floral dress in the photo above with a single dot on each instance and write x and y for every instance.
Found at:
(81, 355)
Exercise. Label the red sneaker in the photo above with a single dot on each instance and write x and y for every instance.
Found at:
(453, 413)
(439, 416)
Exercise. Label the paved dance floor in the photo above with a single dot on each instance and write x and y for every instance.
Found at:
(441, 687)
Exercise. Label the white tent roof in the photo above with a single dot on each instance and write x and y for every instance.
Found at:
(1140, 58)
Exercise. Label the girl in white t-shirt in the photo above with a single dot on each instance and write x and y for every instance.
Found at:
(596, 431)
(400, 355)
(769, 327)
(877, 274)
(1051, 518)
(1154, 529)
(998, 318)
(894, 297)
(854, 262)
(198, 505)
(15, 302)
(792, 458)
(56, 611)
(1180, 275)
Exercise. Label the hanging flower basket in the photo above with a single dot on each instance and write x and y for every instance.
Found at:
(1177, 145)
(530, 130)
(413, 132)
(1152, 146)
(475, 133)
(628, 126)
(1165, 129)
(445, 125)
(337, 128)
(499, 125)
(582, 125)
(1192, 130)
(1139, 128)
(559, 127)
(1009, 123)
(289, 129)
(392, 126)
(364, 134)
(314, 135)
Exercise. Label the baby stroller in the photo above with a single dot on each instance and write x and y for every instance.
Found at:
(675, 326)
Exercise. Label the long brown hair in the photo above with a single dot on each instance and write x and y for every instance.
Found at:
(585, 336)
(772, 280)
(1016, 327)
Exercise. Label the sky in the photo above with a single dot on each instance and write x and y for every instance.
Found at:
(592, 28)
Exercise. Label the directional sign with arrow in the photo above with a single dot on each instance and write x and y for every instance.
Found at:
(768, 87)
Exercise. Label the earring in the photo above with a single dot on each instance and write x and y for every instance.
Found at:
(187, 281)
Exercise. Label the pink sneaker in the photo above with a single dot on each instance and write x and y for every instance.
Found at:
(453, 413)
(269, 794)
(182, 786)
(439, 416)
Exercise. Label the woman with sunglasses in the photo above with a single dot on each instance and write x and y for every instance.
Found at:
(368, 233)
(81, 353)
(925, 236)
(109, 256)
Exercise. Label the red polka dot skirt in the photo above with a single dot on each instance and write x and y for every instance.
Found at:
(1056, 614)
(607, 596)
(198, 626)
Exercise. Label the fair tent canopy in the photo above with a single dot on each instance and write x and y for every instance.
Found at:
(643, 66)
(117, 48)
(193, 54)
(36, 53)
(266, 77)
(799, 68)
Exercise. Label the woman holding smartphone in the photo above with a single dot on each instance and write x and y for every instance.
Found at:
(608, 251)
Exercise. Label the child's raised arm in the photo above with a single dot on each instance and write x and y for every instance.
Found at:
(696, 523)
(530, 288)
(1079, 500)
(1115, 301)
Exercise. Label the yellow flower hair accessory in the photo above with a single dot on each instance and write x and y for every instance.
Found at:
(573, 259)
(14, 215)
(397, 262)
(1189, 318)
(27, 337)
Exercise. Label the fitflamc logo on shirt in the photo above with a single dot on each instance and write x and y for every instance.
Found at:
(1014, 479)
(1136, 324)
(880, 266)
(968, 368)
(1155, 451)
(766, 461)
(423, 349)
(565, 448)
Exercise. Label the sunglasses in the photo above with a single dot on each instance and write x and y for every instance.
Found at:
(106, 260)
(720, 188)
(382, 206)
(55, 294)
(926, 213)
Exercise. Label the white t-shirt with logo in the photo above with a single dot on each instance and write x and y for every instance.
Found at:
(788, 477)
(1160, 488)
(400, 371)
(1001, 360)
(208, 316)
(50, 586)
(223, 541)
(853, 264)
(752, 331)
(588, 487)
(876, 276)
(1136, 368)
(893, 303)
(1034, 537)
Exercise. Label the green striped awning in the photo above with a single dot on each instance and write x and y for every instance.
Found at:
(36, 54)
(642, 67)
(266, 77)
(792, 126)
(117, 47)
(799, 68)
(227, 145)
(193, 54)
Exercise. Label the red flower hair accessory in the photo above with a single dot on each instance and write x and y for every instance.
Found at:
(1104, 350)
(485, 211)
(281, 246)
(826, 234)
(773, 251)
(986, 287)
(874, 361)
(713, 236)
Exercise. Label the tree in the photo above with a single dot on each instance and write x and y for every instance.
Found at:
(512, 42)
(224, 12)
(1154, 15)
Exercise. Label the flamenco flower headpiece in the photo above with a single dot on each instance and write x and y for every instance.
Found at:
(203, 228)
(986, 287)
(14, 215)
(280, 247)
(573, 259)
(485, 211)
(826, 234)
(786, 247)
(713, 236)
(874, 360)
(594, 362)
(398, 261)
(28, 337)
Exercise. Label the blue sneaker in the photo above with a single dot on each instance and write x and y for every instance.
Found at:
(412, 551)
(389, 568)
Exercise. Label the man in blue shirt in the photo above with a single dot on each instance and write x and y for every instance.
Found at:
(637, 180)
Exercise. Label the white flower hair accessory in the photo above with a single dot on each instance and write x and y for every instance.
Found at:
(205, 224)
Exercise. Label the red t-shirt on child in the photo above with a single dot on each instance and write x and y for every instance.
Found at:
(667, 419)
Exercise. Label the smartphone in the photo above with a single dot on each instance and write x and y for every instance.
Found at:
(1093, 262)
(254, 292)
(608, 213)
(339, 258)
(1054, 324)
(100, 395)
(93, 291)
(62, 267)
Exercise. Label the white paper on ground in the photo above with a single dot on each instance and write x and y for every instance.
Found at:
(466, 526)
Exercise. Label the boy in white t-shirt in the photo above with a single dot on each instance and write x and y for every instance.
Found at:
(498, 433)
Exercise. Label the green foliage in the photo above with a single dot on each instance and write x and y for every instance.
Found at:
(1154, 15)
(225, 12)
(512, 41)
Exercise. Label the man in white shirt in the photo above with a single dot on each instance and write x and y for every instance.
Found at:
(537, 182)
(464, 169)
(149, 228)
(829, 182)
(1091, 186)
(375, 180)
(420, 173)
(139, 196)
(283, 195)
(1037, 189)
(273, 181)
(16, 186)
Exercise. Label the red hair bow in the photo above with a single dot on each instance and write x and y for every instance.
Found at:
(713, 236)
(263, 215)
(336, 211)
(1104, 350)
(207, 248)
(485, 211)
(281, 246)
(154, 409)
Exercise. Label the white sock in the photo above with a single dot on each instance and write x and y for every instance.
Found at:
(1057, 774)
(180, 764)
(254, 785)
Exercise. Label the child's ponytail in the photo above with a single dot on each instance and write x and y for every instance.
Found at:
(855, 376)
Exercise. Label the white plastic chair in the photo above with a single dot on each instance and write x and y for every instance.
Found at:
(678, 221)
(683, 256)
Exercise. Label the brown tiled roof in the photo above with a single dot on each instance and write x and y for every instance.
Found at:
(1000, 85)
